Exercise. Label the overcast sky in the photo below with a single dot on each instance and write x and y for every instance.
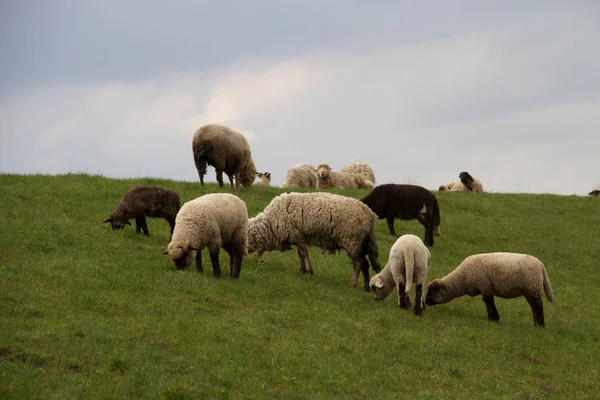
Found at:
(421, 90)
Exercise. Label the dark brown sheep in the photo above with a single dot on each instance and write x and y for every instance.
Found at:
(594, 192)
(142, 202)
(406, 202)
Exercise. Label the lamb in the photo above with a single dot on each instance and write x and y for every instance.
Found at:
(326, 179)
(145, 201)
(300, 175)
(226, 150)
(359, 167)
(326, 220)
(264, 181)
(506, 275)
(409, 262)
(406, 202)
(594, 192)
(214, 220)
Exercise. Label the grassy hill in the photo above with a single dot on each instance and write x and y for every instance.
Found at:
(87, 312)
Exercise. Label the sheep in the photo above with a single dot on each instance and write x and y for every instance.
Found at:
(359, 167)
(506, 275)
(226, 150)
(214, 220)
(145, 201)
(300, 175)
(409, 262)
(332, 222)
(264, 181)
(406, 202)
(326, 179)
(594, 192)
(471, 183)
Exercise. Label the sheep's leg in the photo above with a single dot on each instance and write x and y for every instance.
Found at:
(403, 299)
(259, 256)
(227, 247)
(355, 271)
(537, 308)
(491, 308)
(364, 267)
(428, 236)
(172, 225)
(213, 250)
(419, 300)
(138, 224)
(231, 179)
(219, 177)
(305, 266)
(199, 261)
(390, 222)
(144, 226)
(238, 255)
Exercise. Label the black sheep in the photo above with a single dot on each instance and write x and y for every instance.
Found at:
(406, 202)
(140, 202)
(594, 192)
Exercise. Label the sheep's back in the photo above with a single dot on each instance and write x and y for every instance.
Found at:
(150, 201)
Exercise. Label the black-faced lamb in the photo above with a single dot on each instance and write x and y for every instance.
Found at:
(506, 275)
(331, 222)
(359, 167)
(326, 179)
(409, 262)
(217, 220)
(406, 202)
(227, 151)
(142, 202)
(300, 175)
(471, 183)
(264, 179)
(594, 192)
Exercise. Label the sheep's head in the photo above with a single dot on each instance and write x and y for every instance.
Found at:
(265, 177)
(380, 288)
(247, 175)
(323, 170)
(181, 253)
(437, 293)
(466, 178)
(117, 223)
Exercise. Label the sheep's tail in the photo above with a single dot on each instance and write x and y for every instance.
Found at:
(547, 286)
(409, 267)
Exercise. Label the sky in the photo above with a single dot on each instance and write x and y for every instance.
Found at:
(506, 90)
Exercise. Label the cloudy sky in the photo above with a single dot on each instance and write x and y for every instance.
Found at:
(507, 90)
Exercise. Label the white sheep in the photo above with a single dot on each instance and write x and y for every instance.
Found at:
(409, 262)
(300, 175)
(214, 220)
(264, 179)
(226, 150)
(506, 275)
(326, 179)
(359, 167)
(325, 220)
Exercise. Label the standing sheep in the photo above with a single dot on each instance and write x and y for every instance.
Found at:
(506, 275)
(406, 202)
(326, 220)
(226, 150)
(142, 202)
(409, 262)
(214, 220)
(327, 179)
(300, 175)
(264, 179)
(359, 167)
(594, 192)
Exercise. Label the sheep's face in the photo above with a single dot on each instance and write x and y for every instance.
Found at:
(465, 178)
(117, 224)
(436, 293)
(181, 254)
(323, 172)
(379, 288)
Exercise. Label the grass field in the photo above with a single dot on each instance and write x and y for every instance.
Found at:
(87, 312)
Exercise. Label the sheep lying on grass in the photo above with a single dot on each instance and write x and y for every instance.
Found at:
(506, 275)
(264, 179)
(594, 192)
(327, 179)
(142, 202)
(467, 183)
(226, 150)
(326, 220)
(406, 202)
(300, 175)
(409, 262)
(359, 167)
(214, 220)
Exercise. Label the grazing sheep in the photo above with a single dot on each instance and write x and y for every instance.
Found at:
(327, 179)
(409, 262)
(506, 275)
(264, 181)
(142, 202)
(594, 192)
(406, 202)
(471, 183)
(359, 167)
(300, 175)
(214, 220)
(326, 220)
(226, 150)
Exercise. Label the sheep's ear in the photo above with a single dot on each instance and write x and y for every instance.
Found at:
(109, 219)
(258, 174)
(268, 174)
(166, 252)
(379, 283)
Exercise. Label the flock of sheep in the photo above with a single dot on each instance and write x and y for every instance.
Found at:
(330, 222)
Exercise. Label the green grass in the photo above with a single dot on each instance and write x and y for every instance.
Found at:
(87, 312)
